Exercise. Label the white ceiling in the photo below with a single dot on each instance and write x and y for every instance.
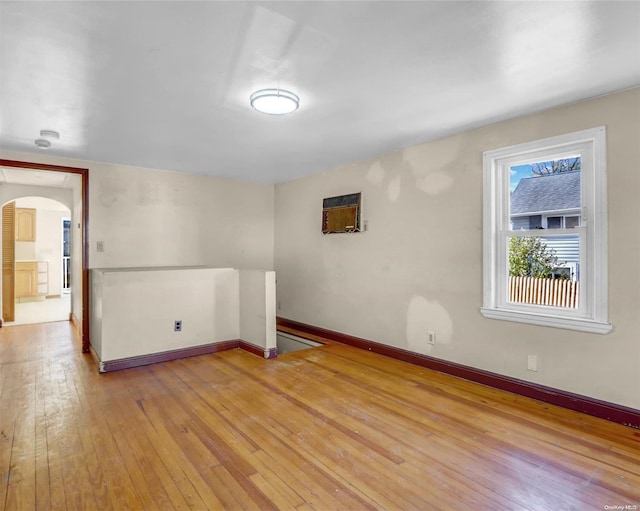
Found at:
(166, 84)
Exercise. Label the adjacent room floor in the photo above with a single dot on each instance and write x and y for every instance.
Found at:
(327, 428)
(43, 311)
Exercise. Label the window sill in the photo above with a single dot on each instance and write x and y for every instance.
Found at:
(580, 324)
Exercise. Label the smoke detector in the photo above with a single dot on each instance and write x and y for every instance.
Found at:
(42, 143)
(50, 134)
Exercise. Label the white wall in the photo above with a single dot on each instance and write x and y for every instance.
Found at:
(134, 310)
(9, 191)
(96, 311)
(25, 251)
(150, 217)
(258, 308)
(419, 266)
(158, 218)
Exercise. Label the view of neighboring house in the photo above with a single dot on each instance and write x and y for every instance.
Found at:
(551, 201)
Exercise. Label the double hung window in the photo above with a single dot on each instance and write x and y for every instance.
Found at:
(545, 239)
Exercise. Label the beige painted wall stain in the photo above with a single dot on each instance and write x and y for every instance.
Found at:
(418, 267)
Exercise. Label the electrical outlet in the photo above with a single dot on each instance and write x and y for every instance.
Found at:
(532, 362)
(99, 246)
(177, 326)
(431, 337)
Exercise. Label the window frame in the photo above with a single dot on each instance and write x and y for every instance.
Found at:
(592, 315)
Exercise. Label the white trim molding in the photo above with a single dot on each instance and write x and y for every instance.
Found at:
(592, 313)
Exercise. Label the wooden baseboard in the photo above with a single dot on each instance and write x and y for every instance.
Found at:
(75, 323)
(597, 408)
(257, 350)
(165, 356)
(251, 348)
(94, 354)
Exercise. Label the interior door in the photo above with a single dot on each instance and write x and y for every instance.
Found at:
(8, 260)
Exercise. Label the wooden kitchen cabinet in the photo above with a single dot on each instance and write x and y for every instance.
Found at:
(25, 224)
(32, 279)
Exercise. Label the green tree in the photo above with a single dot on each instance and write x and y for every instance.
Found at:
(529, 256)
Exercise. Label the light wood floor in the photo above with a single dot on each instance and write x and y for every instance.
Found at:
(331, 428)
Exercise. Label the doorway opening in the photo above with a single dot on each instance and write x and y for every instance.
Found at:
(75, 181)
(38, 295)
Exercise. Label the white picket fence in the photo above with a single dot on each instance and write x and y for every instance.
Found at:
(556, 292)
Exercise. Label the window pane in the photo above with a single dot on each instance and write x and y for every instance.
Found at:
(571, 222)
(554, 222)
(543, 188)
(544, 270)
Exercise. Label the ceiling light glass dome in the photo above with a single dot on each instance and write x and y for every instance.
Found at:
(275, 101)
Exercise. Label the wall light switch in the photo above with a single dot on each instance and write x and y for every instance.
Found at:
(100, 246)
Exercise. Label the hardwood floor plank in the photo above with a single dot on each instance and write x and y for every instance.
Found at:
(542, 436)
(21, 475)
(279, 490)
(320, 379)
(437, 493)
(56, 475)
(324, 429)
(117, 490)
(491, 431)
(69, 457)
(7, 429)
(42, 483)
(322, 440)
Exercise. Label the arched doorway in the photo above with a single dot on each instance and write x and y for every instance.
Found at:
(40, 290)
(77, 180)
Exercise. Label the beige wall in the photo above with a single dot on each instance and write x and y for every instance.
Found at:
(159, 218)
(149, 217)
(419, 265)
(417, 268)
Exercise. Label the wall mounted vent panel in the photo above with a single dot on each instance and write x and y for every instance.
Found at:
(341, 214)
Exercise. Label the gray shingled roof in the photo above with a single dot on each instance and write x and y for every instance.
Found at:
(546, 193)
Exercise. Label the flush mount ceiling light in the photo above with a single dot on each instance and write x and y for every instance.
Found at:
(275, 101)
(50, 134)
(42, 143)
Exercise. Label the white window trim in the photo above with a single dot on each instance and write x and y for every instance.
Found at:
(592, 316)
